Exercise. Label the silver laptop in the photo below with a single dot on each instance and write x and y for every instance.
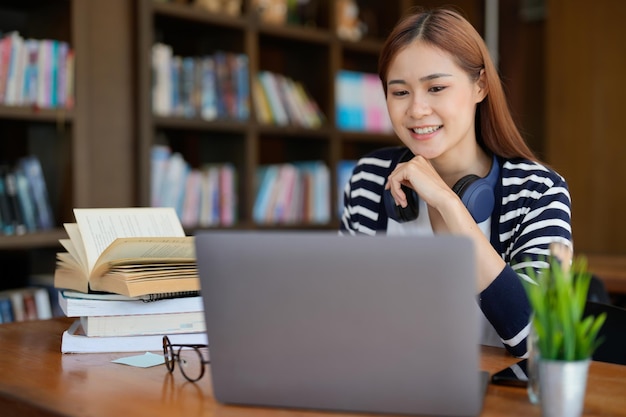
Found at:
(317, 321)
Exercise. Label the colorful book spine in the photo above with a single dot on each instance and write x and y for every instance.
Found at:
(205, 196)
(22, 304)
(360, 103)
(209, 87)
(293, 192)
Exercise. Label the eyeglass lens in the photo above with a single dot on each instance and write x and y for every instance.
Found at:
(189, 358)
(191, 363)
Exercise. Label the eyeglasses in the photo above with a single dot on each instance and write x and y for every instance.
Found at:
(189, 358)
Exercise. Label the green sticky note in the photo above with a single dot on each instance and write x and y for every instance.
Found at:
(142, 361)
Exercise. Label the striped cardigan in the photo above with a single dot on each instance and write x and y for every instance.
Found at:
(534, 210)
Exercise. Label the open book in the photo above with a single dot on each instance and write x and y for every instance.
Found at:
(128, 251)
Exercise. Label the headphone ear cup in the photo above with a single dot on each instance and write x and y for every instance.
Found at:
(398, 213)
(462, 184)
(477, 195)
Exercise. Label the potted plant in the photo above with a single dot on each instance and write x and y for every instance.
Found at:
(563, 339)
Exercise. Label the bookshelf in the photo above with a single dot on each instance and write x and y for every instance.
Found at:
(77, 145)
(311, 54)
(29, 129)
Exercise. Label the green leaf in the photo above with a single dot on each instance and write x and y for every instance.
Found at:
(557, 298)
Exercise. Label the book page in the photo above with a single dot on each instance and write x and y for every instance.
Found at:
(70, 256)
(100, 227)
(143, 250)
(65, 260)
(76, 247)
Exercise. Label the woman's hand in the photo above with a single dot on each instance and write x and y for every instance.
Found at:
(419, 175)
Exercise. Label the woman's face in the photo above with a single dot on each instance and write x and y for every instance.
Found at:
(432, 103)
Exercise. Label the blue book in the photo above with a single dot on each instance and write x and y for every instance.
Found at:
(266, 177)
(26, 201)
(209, 89)
(159, 160)
(6, 220)
(31, 167)
(350, 112)
(175, 68)
(187, 86)
(242, 86)
(6, 310)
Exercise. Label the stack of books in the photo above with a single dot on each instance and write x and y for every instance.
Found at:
(117, 323)
(129, 277)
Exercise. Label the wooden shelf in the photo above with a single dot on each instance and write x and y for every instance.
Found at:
(197, 14)
(34, 114)
(199, 124)
(296, 33)
(47, 239)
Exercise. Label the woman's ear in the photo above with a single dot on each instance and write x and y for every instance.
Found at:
(481, 86)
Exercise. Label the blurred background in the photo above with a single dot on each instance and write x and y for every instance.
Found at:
(562, 62)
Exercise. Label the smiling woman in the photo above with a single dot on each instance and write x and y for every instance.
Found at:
(462, 153)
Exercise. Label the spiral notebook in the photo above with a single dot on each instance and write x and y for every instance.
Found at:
(313, 320)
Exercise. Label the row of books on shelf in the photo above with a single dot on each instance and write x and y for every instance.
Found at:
(210, 87)
(36, 72)
(360, 103)
(128, 278)
(22, 304)
(290, 193)
(282, 101)
(24, 202)
(204, 196)
(217, 87)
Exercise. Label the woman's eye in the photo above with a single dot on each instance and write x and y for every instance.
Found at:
(436, 89)
(399, 93)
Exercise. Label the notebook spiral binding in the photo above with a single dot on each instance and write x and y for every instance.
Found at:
(166, 295)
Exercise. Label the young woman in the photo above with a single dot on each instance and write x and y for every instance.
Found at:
(465, 165)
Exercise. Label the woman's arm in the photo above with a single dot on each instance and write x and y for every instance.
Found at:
(535, 212)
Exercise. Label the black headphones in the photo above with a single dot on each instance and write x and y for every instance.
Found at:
(476, 193)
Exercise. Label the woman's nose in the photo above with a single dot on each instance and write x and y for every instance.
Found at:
(419, 107)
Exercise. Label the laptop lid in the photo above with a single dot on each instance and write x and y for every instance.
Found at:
(314, 320)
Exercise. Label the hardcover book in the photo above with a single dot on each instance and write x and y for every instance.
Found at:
(74, 340)
(143, 324)
(77, 304)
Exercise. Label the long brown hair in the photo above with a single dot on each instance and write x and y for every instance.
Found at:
(451, 32)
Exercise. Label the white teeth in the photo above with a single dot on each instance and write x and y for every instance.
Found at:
(425, 130)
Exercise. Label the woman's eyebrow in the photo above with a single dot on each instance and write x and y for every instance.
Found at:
(423, 79)
(435, 76)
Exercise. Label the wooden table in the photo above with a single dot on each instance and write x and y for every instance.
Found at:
(37, 380)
